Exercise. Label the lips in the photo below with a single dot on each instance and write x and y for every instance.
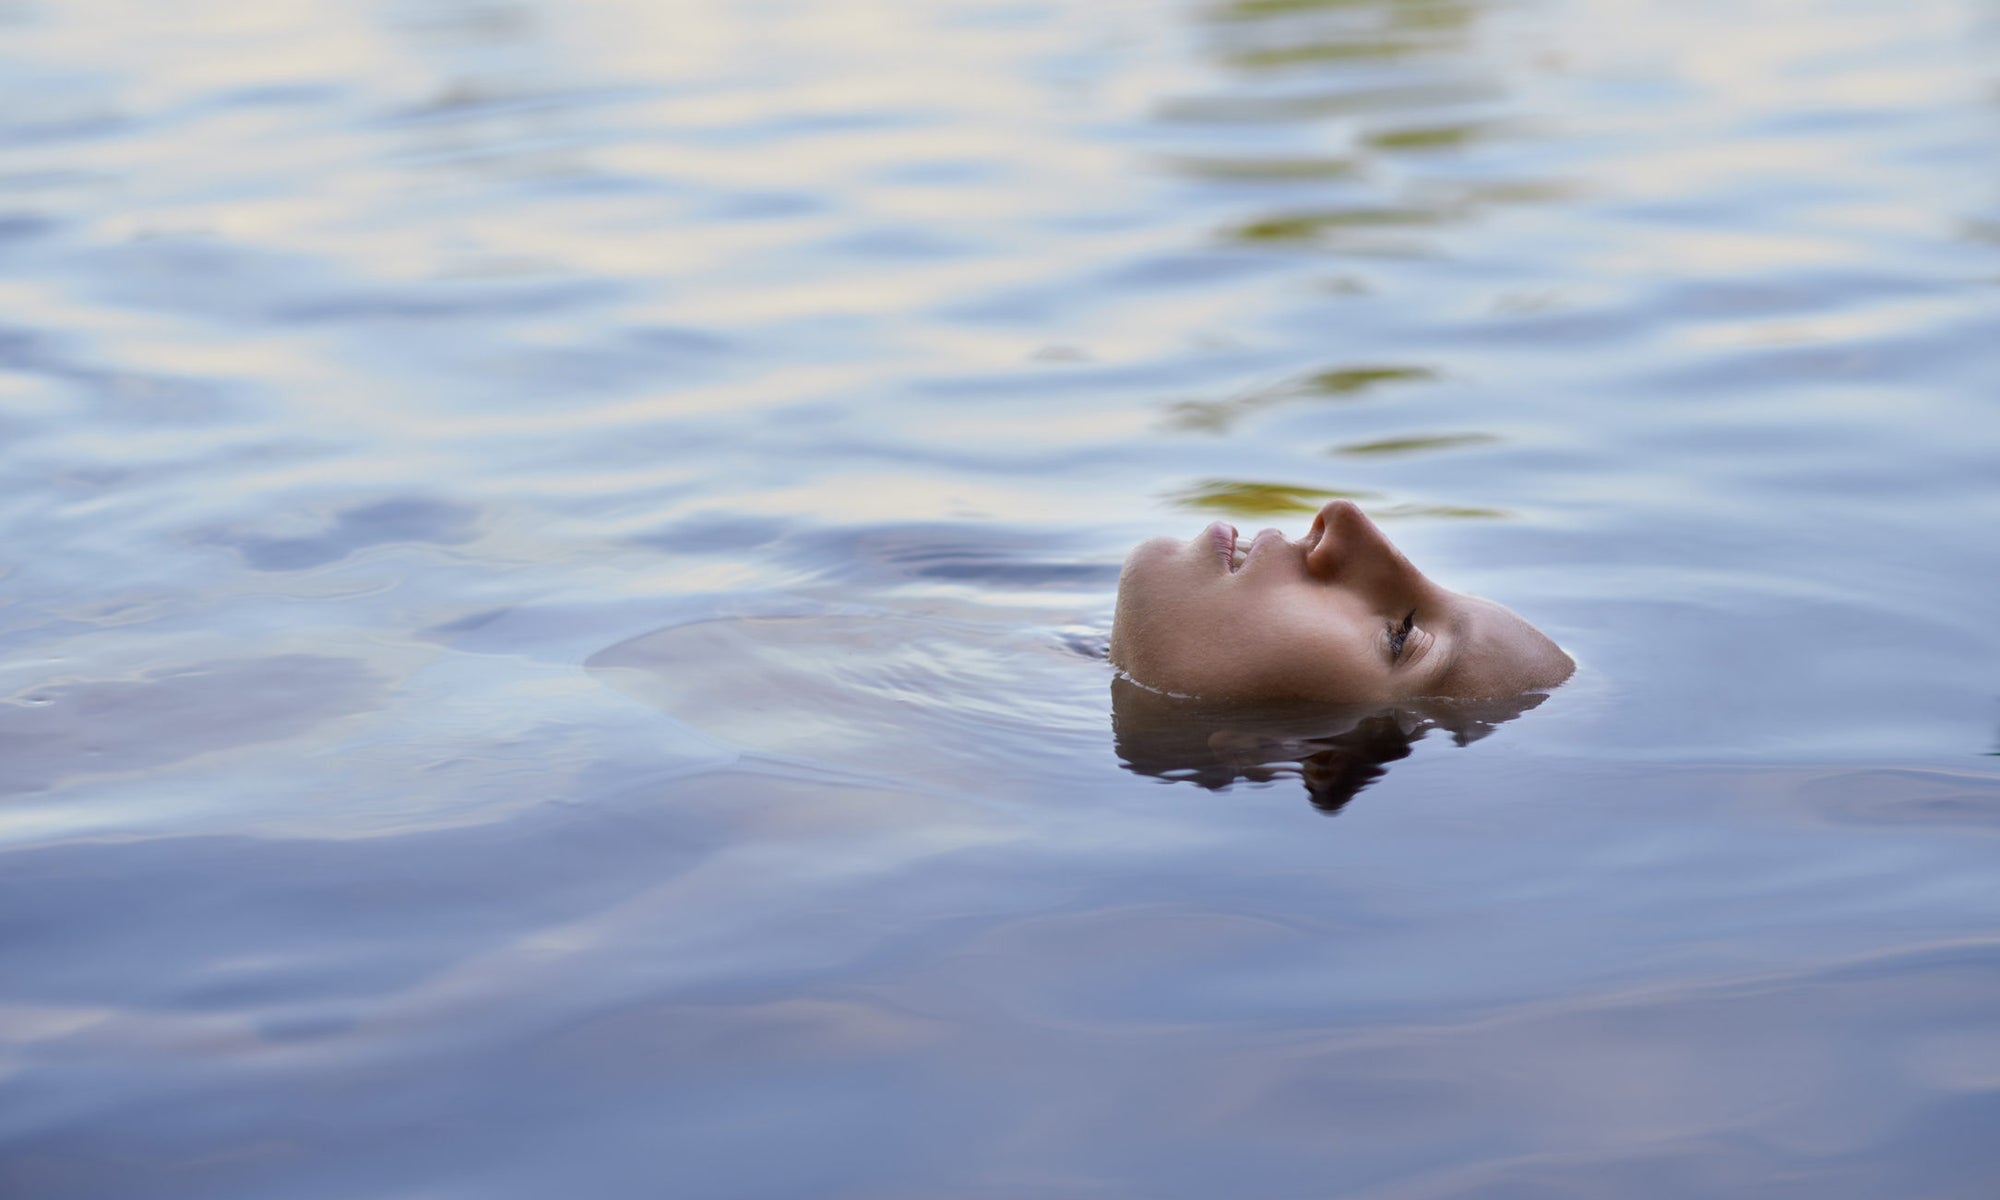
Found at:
(1223, 534)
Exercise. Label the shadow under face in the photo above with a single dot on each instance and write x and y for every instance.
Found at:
(1334, 751)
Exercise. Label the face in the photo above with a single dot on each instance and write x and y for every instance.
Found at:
(1338, 615)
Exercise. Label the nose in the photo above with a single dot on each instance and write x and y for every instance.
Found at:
(1332, 513)
(1349, 549)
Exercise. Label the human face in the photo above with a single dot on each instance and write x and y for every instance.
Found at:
(1338, 615)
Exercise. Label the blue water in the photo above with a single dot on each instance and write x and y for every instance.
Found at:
(557, 554)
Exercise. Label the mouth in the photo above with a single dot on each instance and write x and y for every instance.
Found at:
(1223, 535)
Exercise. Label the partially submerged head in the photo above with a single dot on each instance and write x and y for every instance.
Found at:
(1337, 616)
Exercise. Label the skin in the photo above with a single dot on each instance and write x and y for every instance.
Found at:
(1321, 618)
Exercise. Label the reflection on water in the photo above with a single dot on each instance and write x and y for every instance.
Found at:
(1417, 443)
(1264, 170)
(1335, 752)
(1217, 416)
(560, 559)
(1243, 498)
(1320, 226)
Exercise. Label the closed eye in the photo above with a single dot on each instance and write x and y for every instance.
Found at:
(1401, 634)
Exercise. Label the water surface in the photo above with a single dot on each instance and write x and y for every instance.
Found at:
(559, 557)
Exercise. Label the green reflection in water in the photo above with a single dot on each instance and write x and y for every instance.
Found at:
(1517, 191)
(1244, 498)
(1215, 416)
(1388, 447)
(1264, 170)
(1429, 13)
(1257, 10)
(1429, 137)
(1336, 51)
(1435, 15)
(1261, 110)
(1313, 226)
(1346, 381)
(1241, 498)
(1207, 416)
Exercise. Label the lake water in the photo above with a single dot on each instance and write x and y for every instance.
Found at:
(557, 560)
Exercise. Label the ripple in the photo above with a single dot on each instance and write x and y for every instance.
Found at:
(908, 694)
(1339, 383)
(1907, 799)
(731, 417)
(412, 519)
(1269, 169)
(61, 730)
(886, 554)
(441, 302)
(1304, 106)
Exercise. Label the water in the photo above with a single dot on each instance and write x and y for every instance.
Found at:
(555, 555)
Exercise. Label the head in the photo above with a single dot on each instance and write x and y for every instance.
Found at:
(1336, 616)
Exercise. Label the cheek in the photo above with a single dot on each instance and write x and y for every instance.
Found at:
(1232, 639)
(1147, 567)
(1311, 648)
(1145, 584)
(1171, 628)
